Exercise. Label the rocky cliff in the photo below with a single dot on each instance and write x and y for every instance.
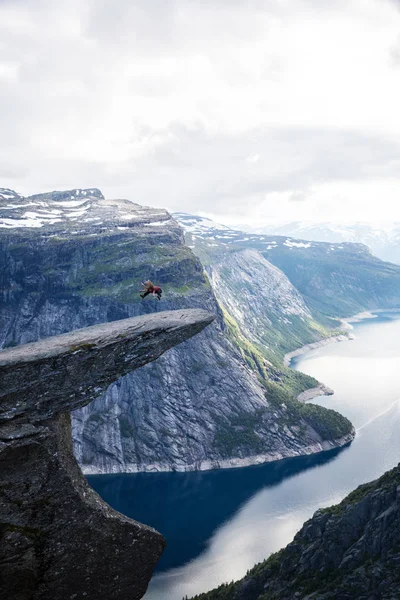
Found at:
(258, 296)
(72, 259)
(58, 539)
(346, 552)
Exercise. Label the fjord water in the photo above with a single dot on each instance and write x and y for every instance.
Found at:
(220, 523)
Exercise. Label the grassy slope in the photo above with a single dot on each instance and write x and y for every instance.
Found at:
(282, 386)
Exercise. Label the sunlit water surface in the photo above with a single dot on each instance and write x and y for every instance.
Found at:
(220, 523)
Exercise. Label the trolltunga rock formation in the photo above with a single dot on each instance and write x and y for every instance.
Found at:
(59, 540)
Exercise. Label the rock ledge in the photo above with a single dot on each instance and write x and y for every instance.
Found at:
(59, 540)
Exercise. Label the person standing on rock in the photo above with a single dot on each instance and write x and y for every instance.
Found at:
(150, 288)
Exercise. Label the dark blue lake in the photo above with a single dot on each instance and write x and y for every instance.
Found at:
(220, 523)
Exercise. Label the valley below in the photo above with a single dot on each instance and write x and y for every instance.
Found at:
(218, 524)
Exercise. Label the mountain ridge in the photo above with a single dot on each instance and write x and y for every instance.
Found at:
(383, 239)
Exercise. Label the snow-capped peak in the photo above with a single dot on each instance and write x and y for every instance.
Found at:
(7, 194)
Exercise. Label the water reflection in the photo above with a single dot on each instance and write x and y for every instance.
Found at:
(188, 507)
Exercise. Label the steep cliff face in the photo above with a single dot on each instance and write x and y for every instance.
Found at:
(267, 308)
(58, 539)
(345, 552)
(73, 259)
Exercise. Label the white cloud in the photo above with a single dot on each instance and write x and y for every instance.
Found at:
(253, 158)
(231, 106)
(297, 197)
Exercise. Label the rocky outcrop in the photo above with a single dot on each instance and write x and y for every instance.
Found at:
(346, 552)
(74, 258)
(59, 540)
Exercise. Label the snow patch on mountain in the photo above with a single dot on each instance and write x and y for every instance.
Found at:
(74, 211)
(199, 225)
(291, 244)
(206, 230)
(7, 194)
(382, 238)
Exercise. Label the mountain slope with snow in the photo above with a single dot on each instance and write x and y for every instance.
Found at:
(77, 210)
(382, 239)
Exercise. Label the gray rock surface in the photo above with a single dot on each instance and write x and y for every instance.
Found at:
(267, 308)
(39, 380)
(59, 540)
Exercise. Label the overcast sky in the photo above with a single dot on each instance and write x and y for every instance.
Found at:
(244, 110)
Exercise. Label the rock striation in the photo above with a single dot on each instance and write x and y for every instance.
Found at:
(59, 540)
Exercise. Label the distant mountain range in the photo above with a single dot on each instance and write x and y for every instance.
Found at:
(382, 239)
(334, 279)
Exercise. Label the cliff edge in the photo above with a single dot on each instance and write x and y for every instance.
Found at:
(58, 538)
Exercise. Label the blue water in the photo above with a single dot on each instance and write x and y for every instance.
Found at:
(220, 523)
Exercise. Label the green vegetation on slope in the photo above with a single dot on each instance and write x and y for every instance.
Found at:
(239, 436)
(242, 434)
(330, 424)
(109, 266)
(117, 271)
(267, 363)
(339, 282)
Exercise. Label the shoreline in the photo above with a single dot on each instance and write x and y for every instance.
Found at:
(310, 394)
(341, 337)
(321, 389)
(230, 463)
